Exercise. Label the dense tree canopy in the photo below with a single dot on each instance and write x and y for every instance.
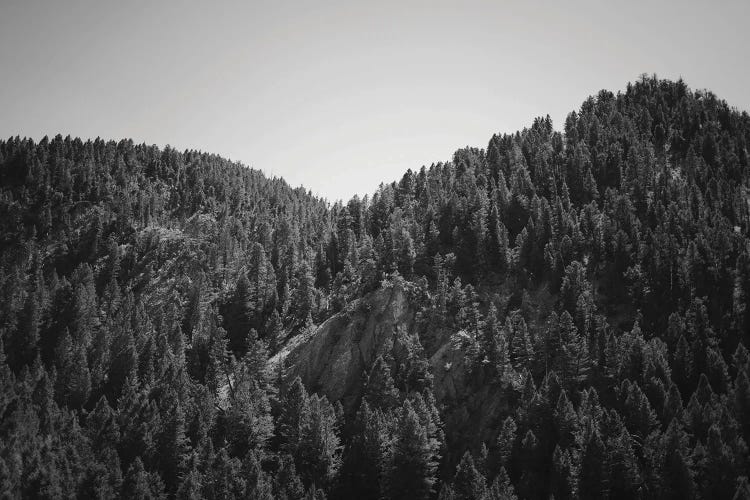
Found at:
(599, 276)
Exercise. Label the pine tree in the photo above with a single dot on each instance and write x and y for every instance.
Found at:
(122, 356)
(413, 466)
(248, 420)
(7, 380)
(319, 452)
(217, 354)
(563, 475)
(304, 302)
(575, 362)
(74, 380)
(446, 492)
(295, 406)
(140, 484)
(677, 465)
(258, 484)
(287, 481)
(274, 329)
(225, 478)
(521, 346)
(623, 474)
(673, 405)
(137, 420)
(501, 488)
(61, 318)
(102, 427)
(194, 308)
(172, 446)
(717, 371)
(640, 418)
(238, 316)
(742, 401)
(366, 458)
(505, 443)
(22, 345)
(468, 483)
(531, 483)
(720, 470)
(86, 318)
(573, 284)
(497, 240)
(379, 390)
(682, 365)
(103, 477)
(565, 421)
(191, 485)
(592, 478)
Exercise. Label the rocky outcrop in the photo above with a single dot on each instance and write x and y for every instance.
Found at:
(472, 408)
(334, 358)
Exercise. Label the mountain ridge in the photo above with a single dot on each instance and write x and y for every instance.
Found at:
(573, 317)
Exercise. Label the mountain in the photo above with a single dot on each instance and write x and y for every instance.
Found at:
(563, 313)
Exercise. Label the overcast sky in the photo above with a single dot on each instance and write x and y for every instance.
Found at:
(341, 95)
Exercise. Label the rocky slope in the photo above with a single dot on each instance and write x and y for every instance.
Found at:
(470, 412)
(334, 359)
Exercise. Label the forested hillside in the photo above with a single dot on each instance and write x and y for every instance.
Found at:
(566, 314)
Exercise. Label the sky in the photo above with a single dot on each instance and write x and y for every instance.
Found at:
(340, 96)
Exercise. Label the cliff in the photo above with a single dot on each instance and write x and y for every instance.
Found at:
(334, 359)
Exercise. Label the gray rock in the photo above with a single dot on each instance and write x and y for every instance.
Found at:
(333, 358)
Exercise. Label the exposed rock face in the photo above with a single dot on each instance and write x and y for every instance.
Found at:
(334, 358)
(449, 369)
(470, 411)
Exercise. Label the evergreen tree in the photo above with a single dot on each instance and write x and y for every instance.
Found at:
(172, 446)
(506, 441)
(288, 484)
(22, 345)
(563, 475)
(521, 346)
(238, 316)
(140, 484)
(677, 464)
(468, 483)
(366, 458)
(501, 488)
(191, 485)
(319, 449)
(592, 478)
(379, 390)
(304, 303)
(74, 382)
(531, 483)
(413, 466)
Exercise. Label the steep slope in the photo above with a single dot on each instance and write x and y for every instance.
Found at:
(333, 358)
